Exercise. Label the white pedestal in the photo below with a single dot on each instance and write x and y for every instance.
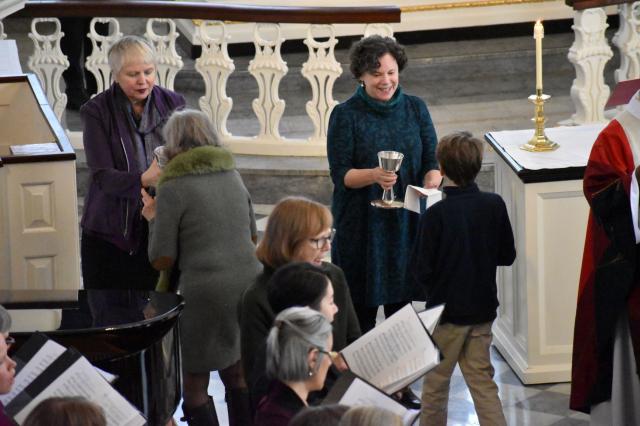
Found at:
(548, 212)
(39, 241)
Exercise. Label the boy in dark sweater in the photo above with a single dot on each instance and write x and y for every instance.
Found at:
(461, 242)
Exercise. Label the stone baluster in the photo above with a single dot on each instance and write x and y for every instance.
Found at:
(98, 61)
(215, 66)
(48, 62)
(628, 42)
(268, 68)
(322, 70)
(384, 30)
(589, 54)
(168, 62)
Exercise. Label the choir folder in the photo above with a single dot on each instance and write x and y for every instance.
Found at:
(352, 391)
(395, 353)
(46, 369)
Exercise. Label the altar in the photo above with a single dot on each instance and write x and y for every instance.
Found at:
(548, 212)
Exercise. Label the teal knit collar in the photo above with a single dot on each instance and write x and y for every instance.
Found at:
(380, 106)
(198, 161)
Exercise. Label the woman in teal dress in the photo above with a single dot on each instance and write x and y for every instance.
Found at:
(371, 244)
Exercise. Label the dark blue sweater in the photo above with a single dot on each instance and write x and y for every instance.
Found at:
(461, 242)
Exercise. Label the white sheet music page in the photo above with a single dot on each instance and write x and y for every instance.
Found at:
(395, 353)
(45, 356)
(360, 393)
(81, 379)
(10, 63)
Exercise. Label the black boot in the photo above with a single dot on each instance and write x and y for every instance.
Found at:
(239, 407)
(204, 415)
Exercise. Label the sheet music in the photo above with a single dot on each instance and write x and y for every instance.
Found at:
(360, 393)
(81, 379)
(48, 353)
(394, 353)
(10, 63)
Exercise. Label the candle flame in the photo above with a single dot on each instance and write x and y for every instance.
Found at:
(538, 29)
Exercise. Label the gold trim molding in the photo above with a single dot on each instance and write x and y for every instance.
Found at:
(466, 4)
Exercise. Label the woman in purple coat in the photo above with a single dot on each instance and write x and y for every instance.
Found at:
(121, 128)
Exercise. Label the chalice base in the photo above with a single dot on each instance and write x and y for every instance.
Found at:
(395, 204)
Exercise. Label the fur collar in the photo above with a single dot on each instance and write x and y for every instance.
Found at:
(198, 161)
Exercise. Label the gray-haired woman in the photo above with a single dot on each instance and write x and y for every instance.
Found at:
(202, 218)
(121, 128)
(298, 358)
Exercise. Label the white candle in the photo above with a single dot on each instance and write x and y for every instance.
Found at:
(538, 35)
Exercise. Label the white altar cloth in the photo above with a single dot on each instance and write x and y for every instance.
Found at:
(575, 145)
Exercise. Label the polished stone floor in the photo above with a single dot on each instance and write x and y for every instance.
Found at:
(533, 405)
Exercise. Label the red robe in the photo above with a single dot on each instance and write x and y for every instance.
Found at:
(609, 281)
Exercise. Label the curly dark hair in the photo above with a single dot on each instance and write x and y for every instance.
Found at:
(365, 54)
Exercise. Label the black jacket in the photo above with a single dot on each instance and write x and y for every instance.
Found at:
(461, 241)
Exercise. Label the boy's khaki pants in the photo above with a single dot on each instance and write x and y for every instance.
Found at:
(468, 346)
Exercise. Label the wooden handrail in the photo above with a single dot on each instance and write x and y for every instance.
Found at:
(210, 11)
(588, 4)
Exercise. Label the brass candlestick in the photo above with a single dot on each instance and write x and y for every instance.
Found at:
(539, 142)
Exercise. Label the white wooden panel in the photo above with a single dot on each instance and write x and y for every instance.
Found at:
(40, 273)
(37, 207)
(42, 225)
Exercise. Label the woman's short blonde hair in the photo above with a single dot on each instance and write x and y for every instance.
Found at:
(128, 49)
(291, 223)
(187, 129)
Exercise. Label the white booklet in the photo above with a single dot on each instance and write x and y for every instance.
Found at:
(431, 317)
(418, 199)
(352, 391)
(395, 353)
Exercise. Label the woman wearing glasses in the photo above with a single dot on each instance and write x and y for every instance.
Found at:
(298, 359)
(298, 230)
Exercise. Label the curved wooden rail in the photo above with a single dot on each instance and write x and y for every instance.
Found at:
(211, 11)
(588, 4)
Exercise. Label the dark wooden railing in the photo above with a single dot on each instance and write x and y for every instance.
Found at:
(211, 11)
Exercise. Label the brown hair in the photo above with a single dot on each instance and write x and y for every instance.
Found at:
(66, 411)
(460, 157)
(292, 221)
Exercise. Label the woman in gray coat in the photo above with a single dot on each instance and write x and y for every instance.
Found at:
(202, 221)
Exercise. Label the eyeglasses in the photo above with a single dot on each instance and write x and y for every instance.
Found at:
(318, 243)
(331, 354)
